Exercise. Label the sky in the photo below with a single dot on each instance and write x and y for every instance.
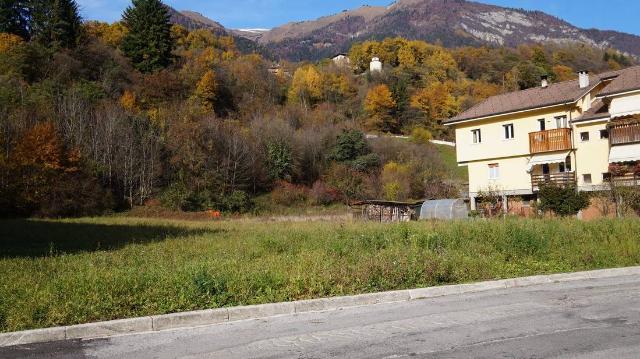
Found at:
(618, 15)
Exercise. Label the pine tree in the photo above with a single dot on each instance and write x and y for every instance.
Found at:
(55, 23)
(13, 18)
(148, 43)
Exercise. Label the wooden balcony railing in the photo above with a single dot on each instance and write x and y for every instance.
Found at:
(628, 179)
(550, 140)
(620, 134)
(560, 179)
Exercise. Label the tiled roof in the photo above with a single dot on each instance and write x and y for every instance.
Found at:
(598, 110)
(554, 94)
(627, 80)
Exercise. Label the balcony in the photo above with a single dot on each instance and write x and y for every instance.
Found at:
(562, 179)
(624, 133)
(550, 140)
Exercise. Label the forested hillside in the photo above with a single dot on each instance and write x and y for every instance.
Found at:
(451, 23)
(99, 117)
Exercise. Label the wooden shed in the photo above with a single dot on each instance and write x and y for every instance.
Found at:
(386, 211)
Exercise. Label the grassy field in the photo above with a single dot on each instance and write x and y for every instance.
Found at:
(448, 155)
(75, 271)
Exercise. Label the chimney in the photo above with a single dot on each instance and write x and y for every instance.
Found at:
(583, 78)
(544, 81)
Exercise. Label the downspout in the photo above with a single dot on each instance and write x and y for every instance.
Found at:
(573, 145)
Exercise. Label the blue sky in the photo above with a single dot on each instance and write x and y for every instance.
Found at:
(618, 15)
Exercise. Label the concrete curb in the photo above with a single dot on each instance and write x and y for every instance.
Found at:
(223, 315)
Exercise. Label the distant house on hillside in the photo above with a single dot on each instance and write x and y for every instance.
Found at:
(375, 65)
(583, 133)
(341, 59)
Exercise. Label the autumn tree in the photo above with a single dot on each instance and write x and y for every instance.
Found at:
(111, 34)
(9, 41)
(205, 91)
(148, 41)
(306, 86)
(436, 104)
(380, 106)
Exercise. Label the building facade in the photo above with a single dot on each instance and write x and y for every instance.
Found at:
(568, 133)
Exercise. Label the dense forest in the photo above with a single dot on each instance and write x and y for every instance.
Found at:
(98, 117)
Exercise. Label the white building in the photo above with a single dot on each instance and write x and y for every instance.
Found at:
(375, 65)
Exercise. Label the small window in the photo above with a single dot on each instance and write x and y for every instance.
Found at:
(567, 164)
(508, 131)
(586, 178)
(494, 171)
(477, 136)
(561, 122)
(584, 136)
(604, 134)
(542, 125)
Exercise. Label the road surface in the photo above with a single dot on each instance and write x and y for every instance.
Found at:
(591, 318)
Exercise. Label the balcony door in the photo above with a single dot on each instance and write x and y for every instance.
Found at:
(562, 122)
(541, 124)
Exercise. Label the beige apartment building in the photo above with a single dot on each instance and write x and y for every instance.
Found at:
(567, 133)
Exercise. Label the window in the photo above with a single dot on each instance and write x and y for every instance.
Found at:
(604, 134)
(586, 178)
(477, 136)
(561, 167)
(584, 136)
(561, 122)
(494, 171)
(542, 125)
(567, 164)
(508, 131)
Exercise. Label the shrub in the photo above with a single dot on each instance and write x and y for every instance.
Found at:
(421, 135)
(279, 161)
(563, 201)
(350, 145)
(288, 194)
(366, 162)
(236, 202)
(321, 194)
(175, 196)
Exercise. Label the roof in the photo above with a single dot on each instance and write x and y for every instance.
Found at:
(386, 203)
(598, 110)
(627, 80)
(552, 95)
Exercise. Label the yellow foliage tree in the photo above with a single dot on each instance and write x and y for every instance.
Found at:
(128, 101)
(436, 104)
(563, 73)
(8, 42)
(396, 181)
(111, 34)
(306, 86)
(179, 34)
(380, 106)
(206, 91)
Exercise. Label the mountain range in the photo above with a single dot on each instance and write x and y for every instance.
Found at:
(447, 22)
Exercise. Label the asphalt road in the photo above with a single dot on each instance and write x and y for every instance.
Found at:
(592, 318)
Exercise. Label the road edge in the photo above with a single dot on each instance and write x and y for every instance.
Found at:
(222, 315)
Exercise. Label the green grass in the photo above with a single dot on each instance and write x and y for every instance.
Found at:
(448, 155)
(75, 271)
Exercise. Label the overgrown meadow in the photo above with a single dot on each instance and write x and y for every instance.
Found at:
(76, 271)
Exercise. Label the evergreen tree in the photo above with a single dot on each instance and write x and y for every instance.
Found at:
(13, 18)
(55, 23)
(148, 43)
